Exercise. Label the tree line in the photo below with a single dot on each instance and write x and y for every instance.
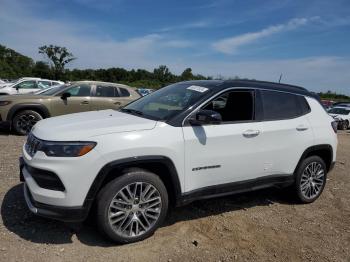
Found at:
(15, 65)
(329, 95)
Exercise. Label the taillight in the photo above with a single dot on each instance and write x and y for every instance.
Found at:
(335, 126)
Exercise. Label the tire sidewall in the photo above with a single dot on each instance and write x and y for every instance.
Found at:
(15, 120)
(108, 192)
(346, 125)
(299, 173)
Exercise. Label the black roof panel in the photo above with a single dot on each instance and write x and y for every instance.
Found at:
(219, 84)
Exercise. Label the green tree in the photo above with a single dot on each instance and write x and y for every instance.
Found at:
(13, 64)
(58, 57)
(42, 69)
(163, 74)
(187, 74)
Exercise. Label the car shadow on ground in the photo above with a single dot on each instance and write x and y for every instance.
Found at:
(18, 219)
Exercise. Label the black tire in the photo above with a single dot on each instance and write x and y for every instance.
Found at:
(345, 125)
(112, 189)
(24, 120)
(299, 185)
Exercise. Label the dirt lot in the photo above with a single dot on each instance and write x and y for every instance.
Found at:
(265, 225)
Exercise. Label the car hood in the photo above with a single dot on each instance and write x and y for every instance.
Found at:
(82, 126)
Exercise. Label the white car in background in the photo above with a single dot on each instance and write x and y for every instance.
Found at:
(11, 82)
(342, 115)
(27, 85)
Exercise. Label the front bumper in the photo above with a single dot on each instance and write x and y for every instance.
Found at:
(66, 214)
(69, 204)
(74, 176)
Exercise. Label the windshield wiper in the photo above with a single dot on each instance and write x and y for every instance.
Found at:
(139, 113)
(132, 111)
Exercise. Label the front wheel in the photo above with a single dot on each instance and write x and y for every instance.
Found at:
(24, 120)
(311, 178)
(345, 125)
(131, 207)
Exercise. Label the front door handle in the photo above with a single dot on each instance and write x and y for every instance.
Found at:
(251, 133)
(302, 128)
(84, 103)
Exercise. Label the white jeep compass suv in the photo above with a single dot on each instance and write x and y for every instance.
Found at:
(187, 141)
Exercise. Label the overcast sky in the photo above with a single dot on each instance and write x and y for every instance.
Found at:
(307, 41)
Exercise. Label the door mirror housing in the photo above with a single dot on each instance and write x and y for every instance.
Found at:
(65, 95)
(206, 117)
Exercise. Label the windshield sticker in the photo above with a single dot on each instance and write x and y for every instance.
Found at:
(198, 88)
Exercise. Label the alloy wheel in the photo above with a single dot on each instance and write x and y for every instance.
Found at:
(135, 209)
(25, 122)
(312, 180)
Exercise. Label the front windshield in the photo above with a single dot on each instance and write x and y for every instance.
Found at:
(168, 101)
(340, 111)
(52, 91)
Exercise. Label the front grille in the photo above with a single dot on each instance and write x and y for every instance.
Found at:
(32, 144)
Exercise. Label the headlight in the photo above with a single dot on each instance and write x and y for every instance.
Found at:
(66, 149)
(5, 103)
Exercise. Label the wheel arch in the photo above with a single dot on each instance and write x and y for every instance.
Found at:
(160, 165)
(41, 109)
(324, 151)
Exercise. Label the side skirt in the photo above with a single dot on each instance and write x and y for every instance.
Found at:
(235, 188)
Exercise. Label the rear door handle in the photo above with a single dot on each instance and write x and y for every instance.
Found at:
(84, 103)
(117, 103)
(251, 133)
(302, 128)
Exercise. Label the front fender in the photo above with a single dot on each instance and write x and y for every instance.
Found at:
(27, 106)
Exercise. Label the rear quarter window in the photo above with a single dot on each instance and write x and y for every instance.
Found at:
(304, 105)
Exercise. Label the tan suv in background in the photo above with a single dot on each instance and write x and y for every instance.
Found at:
(21, 112)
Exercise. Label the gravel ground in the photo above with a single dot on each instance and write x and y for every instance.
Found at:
(265, 225)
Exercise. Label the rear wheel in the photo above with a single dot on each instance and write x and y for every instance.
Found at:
(311, 178)
(131, 207)
(24, 120)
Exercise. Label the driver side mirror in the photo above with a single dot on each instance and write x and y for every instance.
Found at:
(64, 96)
(205, 117)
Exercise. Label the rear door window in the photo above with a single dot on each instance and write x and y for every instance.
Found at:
(106, 91)
(123, 92)
(44, 84)
(280, 105)
(79, 90)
